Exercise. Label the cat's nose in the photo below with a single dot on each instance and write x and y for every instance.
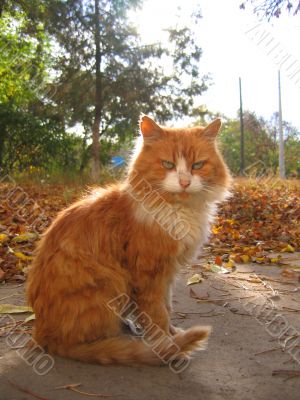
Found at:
(184, 183)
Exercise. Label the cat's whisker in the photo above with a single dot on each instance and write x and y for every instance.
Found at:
(161, 190)
(207, 190)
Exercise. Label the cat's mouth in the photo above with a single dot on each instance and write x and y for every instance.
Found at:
(184, 194)
(203, 190)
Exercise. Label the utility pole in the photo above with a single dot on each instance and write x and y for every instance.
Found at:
(281, 141)
(242, 145)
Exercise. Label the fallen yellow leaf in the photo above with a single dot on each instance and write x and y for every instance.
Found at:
(13, 309)
(230, 221)
(22, 256)
(216, 229)
(245, 258)
(275, 260)
(219, 270)
(25, 237)
(3, 237)
(194, 279)
(229, 264)
(30, 318)
(288, 249)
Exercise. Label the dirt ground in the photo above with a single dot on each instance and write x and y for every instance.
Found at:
(253, 352)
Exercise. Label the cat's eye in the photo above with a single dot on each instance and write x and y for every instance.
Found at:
(168, 164)
(198, 165)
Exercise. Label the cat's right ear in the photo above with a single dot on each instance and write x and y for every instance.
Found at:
(211, 131)
(149, 128)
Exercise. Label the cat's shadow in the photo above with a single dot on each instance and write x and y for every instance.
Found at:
(121, 382)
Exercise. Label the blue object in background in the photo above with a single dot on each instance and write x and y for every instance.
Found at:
(118, 161)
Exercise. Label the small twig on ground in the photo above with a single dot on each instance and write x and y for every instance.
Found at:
(298, 301)
(245, 272)
(250, 280)
(288, 339)
(183, 315)
(13, 326)
(224, 294)
(17, 286)
(289, 373)
(241, 286)
(283, 291)
(290, 309)
(222, 290)
(268, 351)
(239, 313)
(6, 297)
(73, 388)
(290, 360)
(224, 299)
(212, 315)
(245, 297)
(197, 313)
(262, 278)
(3, 327)
(283, 282)
(27, 391)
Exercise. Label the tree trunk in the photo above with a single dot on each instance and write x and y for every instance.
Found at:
(2, 3)
(98, 100)
(2, 137)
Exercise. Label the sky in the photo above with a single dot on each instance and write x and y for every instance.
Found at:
(235, 43)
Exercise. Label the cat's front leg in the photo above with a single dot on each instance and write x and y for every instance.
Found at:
(168, 298)
(154, 317)
(152, 313)
(168, 301)
(155, 320)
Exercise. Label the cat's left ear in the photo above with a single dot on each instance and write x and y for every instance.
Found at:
(149, 128)
(212, 129)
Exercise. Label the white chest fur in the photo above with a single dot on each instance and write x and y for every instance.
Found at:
(198, 220)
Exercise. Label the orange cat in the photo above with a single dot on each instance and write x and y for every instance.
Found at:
(111, 257)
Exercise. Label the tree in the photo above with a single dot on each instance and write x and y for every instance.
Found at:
(291, 144)
(185, 81)
(21, 65)
(258, 144)
(261, 145)
(32, 131)
(106, 77)
(273, 8)
(101, 76)
(98, 94)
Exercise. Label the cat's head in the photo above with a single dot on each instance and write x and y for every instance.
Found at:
(181, 163)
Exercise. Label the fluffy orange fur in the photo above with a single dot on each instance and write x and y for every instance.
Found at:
(114, 242)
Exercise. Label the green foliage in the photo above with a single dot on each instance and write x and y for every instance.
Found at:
(49, 84)
(32, 133)
(261, 145)
(185, 81)
(23, 60)
(49, 81)
(131, 77)
(34, 142)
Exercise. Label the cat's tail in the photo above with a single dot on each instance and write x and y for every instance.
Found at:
(126, 350)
